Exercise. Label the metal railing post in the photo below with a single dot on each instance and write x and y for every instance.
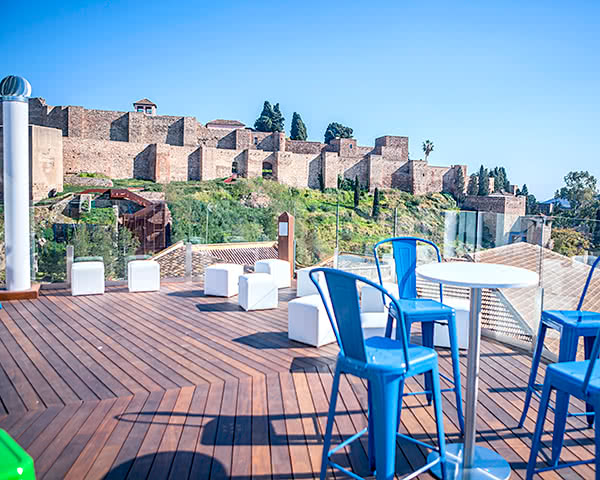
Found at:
(188, 261)
(70, 257)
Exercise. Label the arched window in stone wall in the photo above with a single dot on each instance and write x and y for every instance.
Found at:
(267, 170)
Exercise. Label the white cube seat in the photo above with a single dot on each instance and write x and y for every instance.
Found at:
(371, 299)
(87, 278)
(279, 269)
(143, 276)
(440, 332)
(374, 323)
(257, 291)
(308, 321)
(221, 280)
(304, 285)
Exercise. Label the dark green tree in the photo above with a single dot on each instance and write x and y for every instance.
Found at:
(298, 131)
(579, 189)
(483, 183)
(524, 191)
(356, 192)
(502, 171)
(322, 182)
(277, 121)
(596, 229)
(337, 130)
(459, 187)
(473, 186)
(264, 123)
(375, 213)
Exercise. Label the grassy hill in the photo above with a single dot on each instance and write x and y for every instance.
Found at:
(247, 211)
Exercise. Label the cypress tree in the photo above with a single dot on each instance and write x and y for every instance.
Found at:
(277, 120)
(298, 131)
(473, 186)
(375, 213)
(356, 192)
(264, 123)
(484, 183)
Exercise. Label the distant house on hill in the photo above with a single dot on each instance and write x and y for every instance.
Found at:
(145, 106)
(553, 203)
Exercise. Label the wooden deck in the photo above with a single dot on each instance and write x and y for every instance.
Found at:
(178, 385)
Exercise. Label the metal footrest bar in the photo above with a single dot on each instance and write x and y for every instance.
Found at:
(538, 395)
(418, 442)
(348, 441)
(564, 465)
(425, 392)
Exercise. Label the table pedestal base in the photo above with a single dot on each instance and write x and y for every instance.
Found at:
(487, 464)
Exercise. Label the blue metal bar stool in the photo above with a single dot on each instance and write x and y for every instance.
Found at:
(579, 379)
(571, 324)
(385, 363)
(423, 310)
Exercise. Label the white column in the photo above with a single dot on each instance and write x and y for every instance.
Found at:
(16, 193)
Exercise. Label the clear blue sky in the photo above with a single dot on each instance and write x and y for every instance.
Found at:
(499, 83)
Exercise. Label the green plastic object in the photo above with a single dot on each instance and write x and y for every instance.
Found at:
(88, 259)
(15, 463)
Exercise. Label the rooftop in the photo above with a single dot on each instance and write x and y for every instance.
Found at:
(197, 388)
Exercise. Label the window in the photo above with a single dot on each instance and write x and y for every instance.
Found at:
(255, 140)
(148, 109)
(267, 170)
(139, 109)
(350, 146)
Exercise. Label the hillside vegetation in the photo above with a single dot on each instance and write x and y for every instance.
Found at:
(247, 210)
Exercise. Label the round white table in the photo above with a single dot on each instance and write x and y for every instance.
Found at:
(468, 460)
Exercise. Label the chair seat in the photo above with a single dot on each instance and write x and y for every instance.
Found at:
(573, 318)
(386, 354)
(423, 308)
(569, 376)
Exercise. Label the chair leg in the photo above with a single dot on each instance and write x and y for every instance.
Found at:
(400, 399)
(588, 343)
(456, 372)
(386, 389)
(539, 428)
(567, 353)
(439, 420)
(535, 364)
(329, 428)
(597, 441)
(371, 431)
(427, 335)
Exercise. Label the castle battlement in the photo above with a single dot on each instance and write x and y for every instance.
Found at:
(165, 148)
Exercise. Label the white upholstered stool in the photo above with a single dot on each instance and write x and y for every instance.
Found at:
(308, 321)
(87, 278)
(304, 285)
(371, 299)
(257, 291)
(143, 276)
(221, 280)
(279, 269)
(440, 332)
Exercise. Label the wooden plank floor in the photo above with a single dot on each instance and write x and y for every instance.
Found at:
(177, 385)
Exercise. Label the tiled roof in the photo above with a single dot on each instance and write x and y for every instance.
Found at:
(144, 101)
(219, 122)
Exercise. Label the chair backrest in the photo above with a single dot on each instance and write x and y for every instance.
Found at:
(404, 250)
(587, 283)
(345, 318)
(593, 358)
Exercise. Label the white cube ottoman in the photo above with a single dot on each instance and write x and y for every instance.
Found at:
(280, 269)
(440, 332)
(257, 292)
(374, 323)
(308, 321)
(304, 285)
(87, 278)
(221, 280)
(371, 299)
(143, 276)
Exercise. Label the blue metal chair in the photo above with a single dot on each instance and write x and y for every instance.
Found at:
(572, 324)
(423, 310)
(385, 363)
(580, 380)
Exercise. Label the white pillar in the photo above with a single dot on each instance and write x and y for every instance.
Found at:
(15, 109)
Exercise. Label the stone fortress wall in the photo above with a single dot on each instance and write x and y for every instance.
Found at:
(166, 148)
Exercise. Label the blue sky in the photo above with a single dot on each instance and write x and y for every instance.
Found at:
(499, 83)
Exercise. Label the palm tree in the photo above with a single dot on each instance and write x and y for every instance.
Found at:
(427, 148)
